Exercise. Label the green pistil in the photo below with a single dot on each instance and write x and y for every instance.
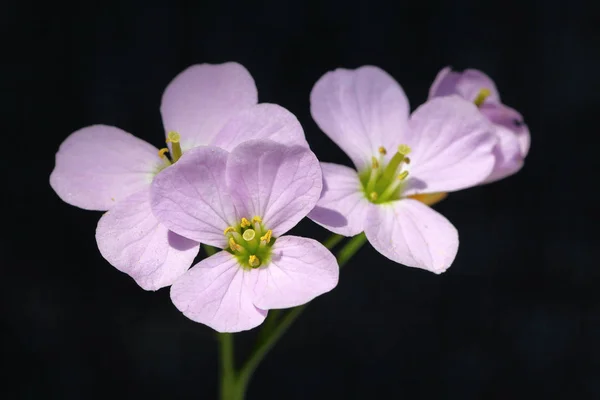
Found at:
(481, 96)
(174, 138)
(250, 242)
(382, 183)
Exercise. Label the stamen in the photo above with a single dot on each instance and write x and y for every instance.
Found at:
(373, 196)
(162, 156)
(406, 160)
(266, 237)
(373, 175)
(481, 96)
(256, 218)
(382, 151)
(249, 234)
(228, 229)
(374, 163)
(389, 191)
(253, 261)
(234, 246)
(395, 162)
(245, 223)
(403, 175)
(162, 152)
(174, 138)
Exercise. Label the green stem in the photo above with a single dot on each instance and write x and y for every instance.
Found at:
(332, 241)
(269, 337)
(229, 387)
(209, 249)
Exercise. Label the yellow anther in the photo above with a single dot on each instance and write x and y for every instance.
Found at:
(266, 237)
(373, 196)
(256, 218)
(382, 151)
(173, 137)
(249, 234)
(403, 175)
(403, 149)
(253, 261)
(161, 152)
(481, 96)
(234, 246)
(374, 163)
(245, 223)
(229, 229)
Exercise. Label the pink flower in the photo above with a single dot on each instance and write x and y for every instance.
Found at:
(445, 145)
(513, 135)
(243, 202)
(105, 168)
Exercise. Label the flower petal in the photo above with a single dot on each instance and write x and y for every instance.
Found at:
(360, 110)
(300, 270)
(201, 99)
(451, 145)
(512, 120)
(413, 234)
(217, 292)
(192, 199)
(278, 183)
(133, 241)
(99, 165)
(262, 121)
(343, 206)
(467, 84)
(507, 153)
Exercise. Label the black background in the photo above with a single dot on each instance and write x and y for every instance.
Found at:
(517, 315)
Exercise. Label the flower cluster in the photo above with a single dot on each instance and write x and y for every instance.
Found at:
(238, 175)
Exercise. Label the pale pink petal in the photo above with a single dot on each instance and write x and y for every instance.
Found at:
(467, 84)
(217, 292)
(413, 234)
(133, 241)
(343, 206)
(360, 110)
(451, 145)
(99, 165)
(278, 183)
(507, 153)
(201, 99)
(300, 269)
(191, 197)
(510, 119)
(262, 121)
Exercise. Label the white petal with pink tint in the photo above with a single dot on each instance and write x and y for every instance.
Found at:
(278, 183)
(360, 110)
(217, 292)
(133, 241)
(468, 84)
(411, 233)
(507, 153)
(343, 206)
(262, 121)
(192, 198)
(201, 99)
(300, 269)
(451, 144)
(99, 165)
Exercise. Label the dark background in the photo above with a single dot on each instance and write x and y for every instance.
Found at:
(516, 316)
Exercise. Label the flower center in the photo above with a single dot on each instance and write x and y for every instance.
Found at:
(174, 138)
(384, 182)
(481, 96)
(250, 242)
